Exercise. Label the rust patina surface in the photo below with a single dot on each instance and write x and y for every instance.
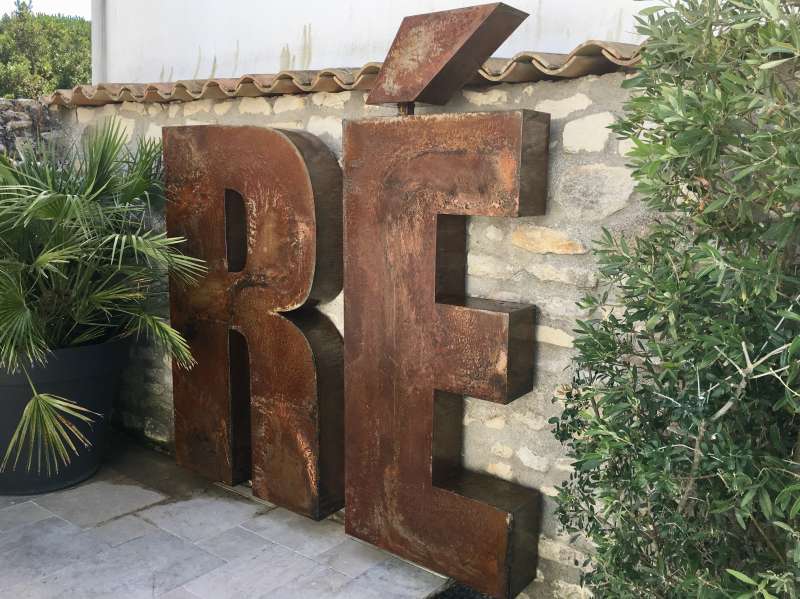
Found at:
(263, 208)
(415, 344)
(435, 54)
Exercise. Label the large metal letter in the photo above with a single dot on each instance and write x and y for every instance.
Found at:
(414, 343)
(263, 208)
(413, 340)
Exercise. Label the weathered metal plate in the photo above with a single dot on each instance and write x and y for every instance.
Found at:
(415, 344)
(433, 55)
(263, 208)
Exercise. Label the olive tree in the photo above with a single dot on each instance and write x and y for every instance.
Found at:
(682, 415)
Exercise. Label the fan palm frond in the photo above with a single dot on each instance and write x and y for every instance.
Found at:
(155, 250)
(158, 330)
(51, 261)
(49, 432)
(21, 337)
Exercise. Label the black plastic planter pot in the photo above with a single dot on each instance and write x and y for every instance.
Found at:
(88, 375)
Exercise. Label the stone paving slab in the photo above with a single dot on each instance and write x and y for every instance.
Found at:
(22, 513)
(180, 593)
(31, 551)
(151, 565)
(393, 579)
(300, 534)
(352, 557)
(123, 529)
(319, 583)
(95, 502)
(144, 528)
(7, 500)
(256, 575)
(201, 517)
(233, 543)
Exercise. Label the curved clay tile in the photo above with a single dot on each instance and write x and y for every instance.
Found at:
(592, 57)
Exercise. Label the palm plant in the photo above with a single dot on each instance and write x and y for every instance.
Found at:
(79, 264)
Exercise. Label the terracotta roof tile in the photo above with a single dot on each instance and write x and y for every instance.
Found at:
(592, 57)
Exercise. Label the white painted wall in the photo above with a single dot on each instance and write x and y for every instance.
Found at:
(139, 41)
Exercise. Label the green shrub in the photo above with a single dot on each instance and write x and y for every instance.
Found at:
(682, 415)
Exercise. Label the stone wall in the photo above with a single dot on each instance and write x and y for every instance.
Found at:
(542, 260)
(24, 120)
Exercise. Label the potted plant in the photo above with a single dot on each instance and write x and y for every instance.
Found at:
(79, 267)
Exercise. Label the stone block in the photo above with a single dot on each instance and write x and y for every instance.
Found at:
(159, 430)
(175, 109)
(588, 134)
(287, 125)
(566, 590)
(502, 451)
(85, 115)
(323, 126)
(544, 240)
(493, 96)
(531, 420)
(330, 100)
(558, 109)
(18, 125)
(533, 461)
(564, 465)
(552, 336)
(481, 265)
(223, 107)
(289, 103)
(584, 278)
(126, 128)
(501, 470)
(592, 192)
(497, 423)
(197, 107)
(493, 233)
(133, 107)
(153, 132)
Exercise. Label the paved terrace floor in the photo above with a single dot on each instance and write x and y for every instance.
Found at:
(144, 528)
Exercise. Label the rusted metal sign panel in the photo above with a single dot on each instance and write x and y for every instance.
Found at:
(433, 55)
(415, 344)
(263, 208)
